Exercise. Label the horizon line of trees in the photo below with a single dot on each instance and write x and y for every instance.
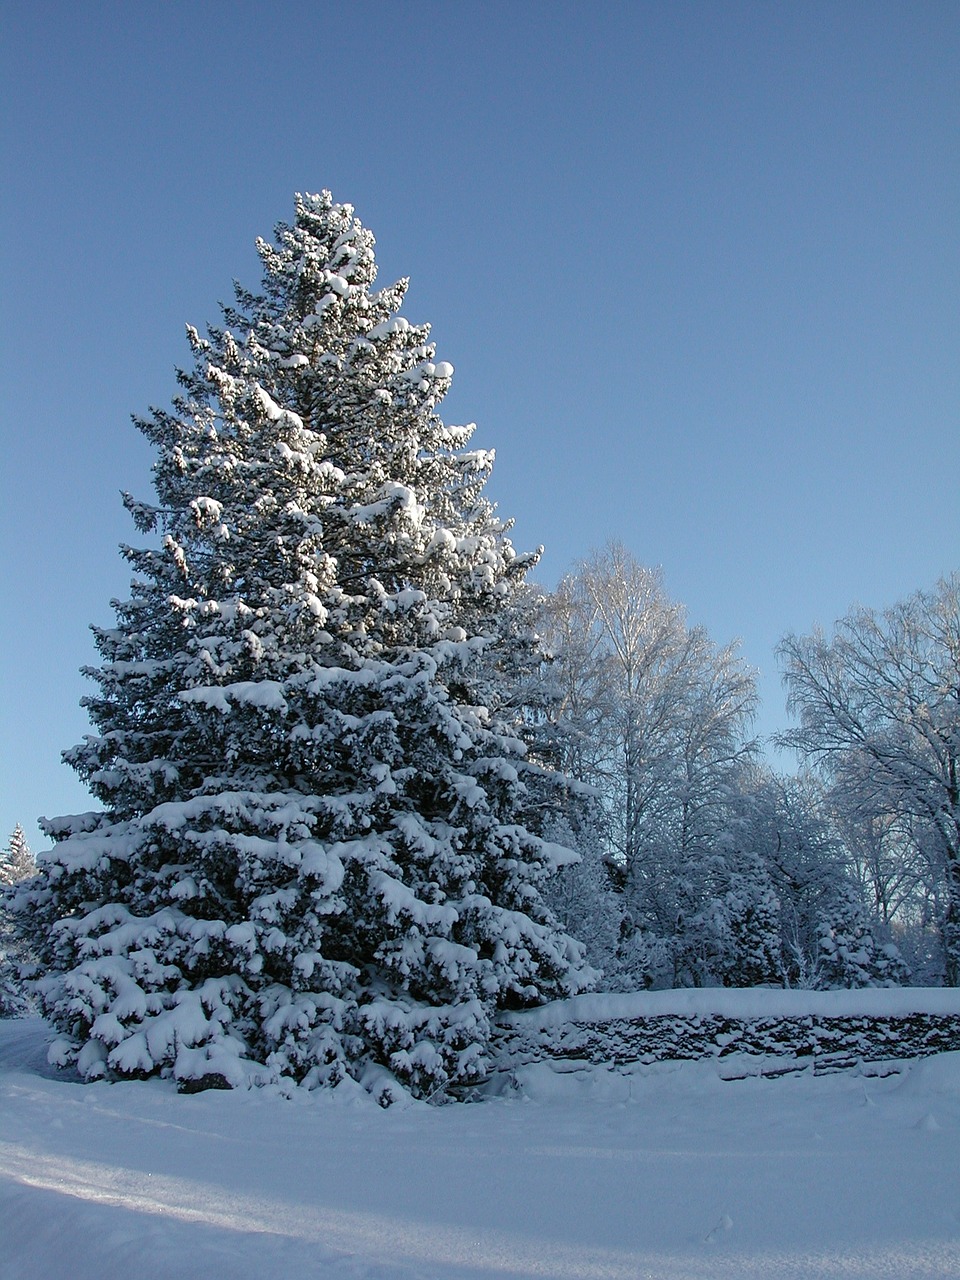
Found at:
(703, 865)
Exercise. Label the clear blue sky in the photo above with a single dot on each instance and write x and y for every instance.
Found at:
(697, 266)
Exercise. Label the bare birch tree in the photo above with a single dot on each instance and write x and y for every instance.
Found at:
(879, 710)
(656, 720)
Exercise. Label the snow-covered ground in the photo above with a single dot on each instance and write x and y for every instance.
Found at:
(666, 1172)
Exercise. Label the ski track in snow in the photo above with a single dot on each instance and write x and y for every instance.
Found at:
(665, 1172)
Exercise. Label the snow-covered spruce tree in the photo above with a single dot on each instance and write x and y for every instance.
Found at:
(316, 856)
(733, 938)
(17, 861)
(16, 865)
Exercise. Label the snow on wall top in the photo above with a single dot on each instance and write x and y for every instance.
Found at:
(742, 1003)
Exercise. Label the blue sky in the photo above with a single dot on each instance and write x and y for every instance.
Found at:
(696, 265)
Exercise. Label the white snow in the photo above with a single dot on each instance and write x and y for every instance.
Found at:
(396, 324)
(267, 694)
(666, 1172)
(273, 411)
(336, 283)
(310, 322)
(745, 1002)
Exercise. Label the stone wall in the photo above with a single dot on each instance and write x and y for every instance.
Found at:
(741, 1045)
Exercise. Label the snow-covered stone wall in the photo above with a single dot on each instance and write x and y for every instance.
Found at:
(749, 1032)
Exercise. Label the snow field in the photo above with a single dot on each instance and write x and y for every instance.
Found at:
(665, 1172)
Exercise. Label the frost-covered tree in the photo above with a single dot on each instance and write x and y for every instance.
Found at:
(826, 935)
(16, 864)
(900, 885)
(879, 710)
(17, 861)
(734, 937)
(655, 719)
(582, 895)
(318, 852)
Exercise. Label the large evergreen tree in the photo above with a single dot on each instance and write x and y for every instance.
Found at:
(318, 853)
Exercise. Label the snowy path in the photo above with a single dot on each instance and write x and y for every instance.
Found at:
(670, 1173)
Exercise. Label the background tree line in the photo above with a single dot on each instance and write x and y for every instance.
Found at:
(703, 865)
